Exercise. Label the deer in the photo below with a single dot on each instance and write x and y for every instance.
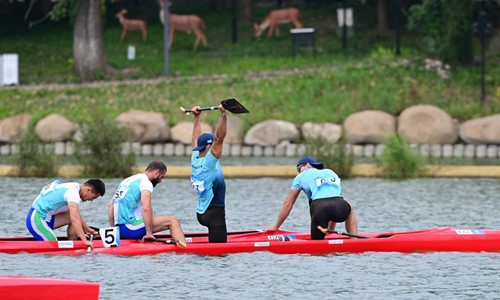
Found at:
(276, 17)
(188, 23)
(130, 24)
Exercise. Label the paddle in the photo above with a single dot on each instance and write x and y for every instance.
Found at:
(231, 105)
(168, 241)
(89, 248)
(324, 230)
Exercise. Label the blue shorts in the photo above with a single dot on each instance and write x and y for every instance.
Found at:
(132, 231)
(39, 228)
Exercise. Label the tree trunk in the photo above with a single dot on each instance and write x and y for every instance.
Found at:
(382, 25)
(246, 11)
(88, 42)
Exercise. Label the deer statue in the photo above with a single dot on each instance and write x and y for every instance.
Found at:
(276, 17)
(188, 23)
(129, 24)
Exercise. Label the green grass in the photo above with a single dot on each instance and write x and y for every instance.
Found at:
(366, 75)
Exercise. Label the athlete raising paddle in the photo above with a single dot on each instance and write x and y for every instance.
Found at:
(207, 177)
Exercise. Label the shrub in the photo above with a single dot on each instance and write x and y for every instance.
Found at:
(399, 161)
(335, 156)
(34, 158)
(99, 150)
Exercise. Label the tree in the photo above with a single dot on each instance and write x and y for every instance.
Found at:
(246, 9)
(88, 43)
(446, 26)
(382, 23)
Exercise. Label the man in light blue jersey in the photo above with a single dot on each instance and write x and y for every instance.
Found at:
(131, 209)
(327, 207)
(207, 176)
(57, 205)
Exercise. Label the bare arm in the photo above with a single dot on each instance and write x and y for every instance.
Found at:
(196, 126)
(76, 221)
(285, 209)
(147, 212)
(220, 133)
(111, 215)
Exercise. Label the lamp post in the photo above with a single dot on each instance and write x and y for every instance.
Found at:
(166, 36)
(398, 27)
(234, 23)
(344, 26)
(482, 29)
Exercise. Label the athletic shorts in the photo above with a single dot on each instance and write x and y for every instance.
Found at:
(322, 211)
(39, 228)
(135, 230)
(215, 219)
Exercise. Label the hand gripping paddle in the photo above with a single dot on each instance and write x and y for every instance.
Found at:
(231, 105)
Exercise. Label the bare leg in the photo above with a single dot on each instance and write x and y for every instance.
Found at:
(63, 219)
(331, 225)
(161, 223)
(70, 231)
(351, 224)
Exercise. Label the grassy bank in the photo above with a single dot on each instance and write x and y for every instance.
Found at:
(328, 87)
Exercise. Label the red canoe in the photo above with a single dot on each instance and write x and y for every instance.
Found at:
(24, 287)
(443, 239)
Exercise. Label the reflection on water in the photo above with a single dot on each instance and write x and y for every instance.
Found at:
(381, 205)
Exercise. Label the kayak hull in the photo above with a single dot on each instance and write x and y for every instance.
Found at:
(443, 239)
(26, 287)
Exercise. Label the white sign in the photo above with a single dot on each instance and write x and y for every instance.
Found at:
(348, 16)
(131, 52)
(9, 73)
(110, 236)
(65, 244)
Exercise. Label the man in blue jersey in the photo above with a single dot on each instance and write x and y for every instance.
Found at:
(131, 209)
(207, 177)
(57, 205)
(327, 207)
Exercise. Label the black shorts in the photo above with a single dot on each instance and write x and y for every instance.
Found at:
(215, 219)
(322, 211)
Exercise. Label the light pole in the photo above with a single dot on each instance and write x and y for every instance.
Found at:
(398, 26)
(482, 29)
(234, 22)
(166, 37)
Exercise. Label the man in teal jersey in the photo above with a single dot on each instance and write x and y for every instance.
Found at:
(207, 177)
(131, 209)
(57, 205)
(327, 207)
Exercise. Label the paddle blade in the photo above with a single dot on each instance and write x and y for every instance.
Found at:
(234, 106)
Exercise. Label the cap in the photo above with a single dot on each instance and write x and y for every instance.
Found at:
(204, 140)
(310, 160)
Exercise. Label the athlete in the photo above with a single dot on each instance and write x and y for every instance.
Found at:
(57, 206)
(207, 177)
(326, 205)
(131, 209)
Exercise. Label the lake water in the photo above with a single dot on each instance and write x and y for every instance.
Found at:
(381, 205)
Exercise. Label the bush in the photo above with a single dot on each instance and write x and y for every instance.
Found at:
(335, 156)
(399, 161)
(99, 151)
(35, 158)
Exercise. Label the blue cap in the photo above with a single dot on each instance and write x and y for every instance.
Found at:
(204, 140)
(310, 160)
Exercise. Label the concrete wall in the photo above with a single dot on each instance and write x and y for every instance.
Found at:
(285, 150)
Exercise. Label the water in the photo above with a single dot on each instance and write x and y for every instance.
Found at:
(381, 205)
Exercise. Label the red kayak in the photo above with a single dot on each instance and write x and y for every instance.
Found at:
(24, 287)
(445, 239)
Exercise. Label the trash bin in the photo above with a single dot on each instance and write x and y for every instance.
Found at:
(303, 37)
(9, 71)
